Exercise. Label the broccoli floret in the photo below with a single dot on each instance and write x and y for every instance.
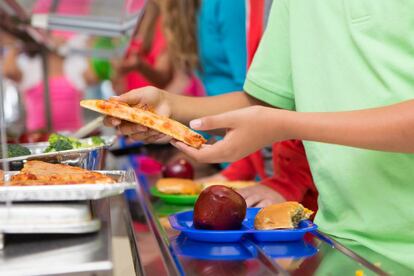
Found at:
(75, 142)
(59, 142)
(63, 144)
(98, 141)
(54, 137)
(49, 149)
(14, 150)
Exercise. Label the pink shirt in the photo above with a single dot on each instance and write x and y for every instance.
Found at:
(64, 100)
(194, 87)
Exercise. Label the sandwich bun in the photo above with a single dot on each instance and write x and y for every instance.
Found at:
(286, 215)
(179, 186)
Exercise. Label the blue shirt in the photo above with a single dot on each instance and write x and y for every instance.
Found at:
(222, 45)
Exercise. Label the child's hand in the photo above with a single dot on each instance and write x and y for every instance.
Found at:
(260, 196)
(248, 130)
(150, 96)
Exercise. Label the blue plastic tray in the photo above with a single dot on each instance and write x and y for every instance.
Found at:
(184, 246)
(291, 249)
(184, 222)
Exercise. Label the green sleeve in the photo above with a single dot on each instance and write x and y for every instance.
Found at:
(270, 76)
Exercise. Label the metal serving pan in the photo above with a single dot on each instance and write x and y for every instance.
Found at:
(87, 158)
(124, 180)
(47, 218)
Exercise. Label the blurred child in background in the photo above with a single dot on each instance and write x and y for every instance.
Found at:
(163, 52)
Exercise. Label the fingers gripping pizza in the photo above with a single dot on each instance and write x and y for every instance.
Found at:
(146, 117)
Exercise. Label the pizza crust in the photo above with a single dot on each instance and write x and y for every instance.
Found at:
(41, 173)
(145, 117)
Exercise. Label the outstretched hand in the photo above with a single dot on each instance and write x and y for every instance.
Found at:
(247, 130)
(149, 96)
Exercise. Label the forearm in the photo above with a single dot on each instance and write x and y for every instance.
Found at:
(388, 128)
(185, 109)
(159, 78)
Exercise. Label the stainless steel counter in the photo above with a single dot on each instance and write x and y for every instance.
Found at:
(86, 254)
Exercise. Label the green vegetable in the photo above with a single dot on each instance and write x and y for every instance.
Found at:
(63, 145)
(98, 141)
(14, 150)
(59, 142)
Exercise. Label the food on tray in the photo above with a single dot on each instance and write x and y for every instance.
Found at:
(15, 150)
(219, 208)
(286, 215)
(178, 186)
(58, 142)
(231, 184)
(146, 117)
(42, 173)
(1, 177)
(179, 168)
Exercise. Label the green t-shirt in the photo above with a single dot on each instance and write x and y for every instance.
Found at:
(341, 55)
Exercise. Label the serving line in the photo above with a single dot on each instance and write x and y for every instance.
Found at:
(176, 264)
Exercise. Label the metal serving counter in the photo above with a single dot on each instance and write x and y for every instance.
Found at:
(165, 252)
(85, 254)
(156, 249)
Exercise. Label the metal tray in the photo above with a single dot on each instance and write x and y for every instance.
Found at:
(68, 192)
(47, 218)
(88, 158)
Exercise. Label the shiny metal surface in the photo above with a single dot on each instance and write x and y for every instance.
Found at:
(87, 254)
(124, 180)
(45, 212)
(89, 158)
(14, 112)
(74, 218)
(172, 267)
(346, 251)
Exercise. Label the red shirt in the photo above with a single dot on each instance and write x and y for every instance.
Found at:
(292, 177)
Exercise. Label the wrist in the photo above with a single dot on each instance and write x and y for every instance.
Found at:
(168, 99)
(280, 122)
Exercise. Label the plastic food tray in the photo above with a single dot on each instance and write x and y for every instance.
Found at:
(243, 250)
(124, 180)
(184, 246)
(184, 222)
(88, 158)
(174, 199)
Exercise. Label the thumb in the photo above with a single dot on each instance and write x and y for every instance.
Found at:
(138, 96)
(212, 122)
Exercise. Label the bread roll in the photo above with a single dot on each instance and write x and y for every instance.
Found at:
(285, 215)
(179, 186)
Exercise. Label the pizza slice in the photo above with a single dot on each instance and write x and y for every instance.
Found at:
(42, 173)
(146, 117)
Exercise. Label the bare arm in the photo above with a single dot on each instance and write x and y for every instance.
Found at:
(389, 128)
(160, 74)
(185, 109)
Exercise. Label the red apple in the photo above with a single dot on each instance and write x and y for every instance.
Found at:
(219, 208)
(179, 168)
